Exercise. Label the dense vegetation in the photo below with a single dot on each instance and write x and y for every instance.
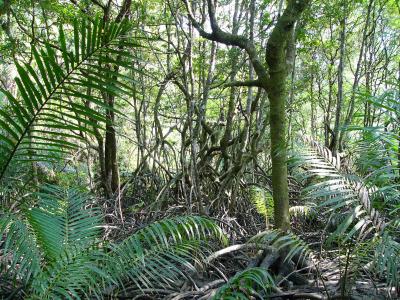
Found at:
(236, 149)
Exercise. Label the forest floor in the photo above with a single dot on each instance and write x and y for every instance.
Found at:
(322, 279)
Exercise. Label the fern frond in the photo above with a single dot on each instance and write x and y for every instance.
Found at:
(158, 266)
(294, 245)
(67, 228)
(377, 161)
(340, 189)
(62, 220)
(246, 284)
(387, 257)
(46, 115)
(75, 274)
(347, 193)
(54, 246)
(152, 255)
(56, 251)
(21, 258)
(307, 211)
(263, 202)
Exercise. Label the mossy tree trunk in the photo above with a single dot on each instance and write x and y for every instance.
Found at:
(272, 78)
(279, 57)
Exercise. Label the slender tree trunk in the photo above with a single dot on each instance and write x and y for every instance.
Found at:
(234, 55)
(313, 123)
(110, 150)
(110, 153)
(357, 74)
(331, 82)
(398, 124)
(194, 146)
(291, 65)
(335, 139)
(277, 120)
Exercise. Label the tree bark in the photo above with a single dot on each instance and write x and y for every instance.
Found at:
(276, 58)
(110, 145)
(273, 81)
(357, 74)
(335, 146)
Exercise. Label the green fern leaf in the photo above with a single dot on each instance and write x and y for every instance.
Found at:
(48, 102)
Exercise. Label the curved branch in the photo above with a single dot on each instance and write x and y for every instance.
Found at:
(229, 39)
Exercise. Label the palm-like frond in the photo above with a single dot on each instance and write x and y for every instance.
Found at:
(64, 219)
(387, 257)
(346, 193)
(20, 256)
(76, 273)
(54, 250)
(54, 246)
(387, 102)
(263, 202)
(40, 122)
(306, 211)
(340, 188)
(246, 284)
(377, 147)
(293, 245)
(160, 253)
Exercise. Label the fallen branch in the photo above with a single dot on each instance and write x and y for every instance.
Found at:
(202, 290)
(303, 295)
(231, 249)
(294, 295)
(270, 256)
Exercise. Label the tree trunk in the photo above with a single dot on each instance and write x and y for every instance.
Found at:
(274, 82)
(357, 74)
(110, 151)
(335, 146)
(276, 57)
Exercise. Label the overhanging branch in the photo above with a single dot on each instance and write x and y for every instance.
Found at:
(218, 35)
(248, 83)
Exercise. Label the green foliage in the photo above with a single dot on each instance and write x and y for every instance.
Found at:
(307, 211)
(262, 201)
(60, 251)
(347, 194)
(387, 257)
(66, 12)
(55, 101)
(377, 149)
(54, 250)
(163, 250)
(338, 188)
(246, 284)
(251, 282)
(291, 243)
